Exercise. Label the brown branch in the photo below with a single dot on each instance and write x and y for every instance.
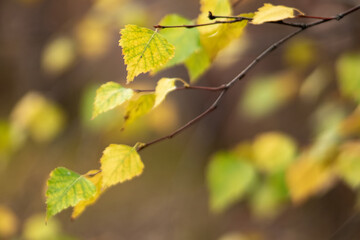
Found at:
(242, 74)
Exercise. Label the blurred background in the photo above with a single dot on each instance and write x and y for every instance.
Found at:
(55, 54)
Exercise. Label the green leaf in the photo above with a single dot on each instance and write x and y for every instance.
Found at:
(109, 96)
(197, 64)
(139, 107)
(144, 50)
(265, 94)
(163, 87)
(185, 40)
(349, 75)
(96, 178)
(271, 13)
(273, 151)
(66, 188)
(270, 196)
(229, 178)
(120, 163)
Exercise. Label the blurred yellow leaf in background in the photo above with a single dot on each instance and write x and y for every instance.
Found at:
(274, 151)
(349, 75)
(38, 116)
(93, 37)
(58, 55)
(301, 52)
(307, 177)
(347, 164)
(35, 229)
(8, 223)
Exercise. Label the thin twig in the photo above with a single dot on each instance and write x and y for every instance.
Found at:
(199, 25)
(205, 88)
(281, 22)
(245, 71)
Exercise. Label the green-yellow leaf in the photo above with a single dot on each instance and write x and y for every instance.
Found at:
(163, 87)
(139, 107)
(197, 64)
(58, 55)
(96, 178)
(229, 178)
(144, 50)
(271, 13)
(349, 75)
(270, 196)
(66, 188)
(265, 94)
(35, 229)
(185, 40)
(273, 151)
(120, 163)
(109, 96)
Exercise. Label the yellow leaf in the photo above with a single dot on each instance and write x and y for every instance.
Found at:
(38, 116)
(109, 96)
(348, 72)
(307, 177)
(163, 87)
(35, 229)
(163, 119)
(93, 37)
(351, 125)
(120, 163)
(271, 13)
(58, 55)
(217, 7)
(96, 178)
(222, 36)
(139, 107)
(8, 223)
(301, 53)
(273, 151)
(144, 50)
